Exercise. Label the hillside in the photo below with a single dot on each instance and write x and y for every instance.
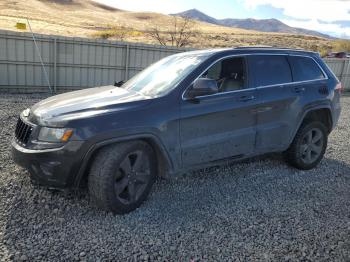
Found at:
(263, 25)
(86, 18)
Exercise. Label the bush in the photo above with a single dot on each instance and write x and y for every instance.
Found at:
(117, 32)
(342, 46)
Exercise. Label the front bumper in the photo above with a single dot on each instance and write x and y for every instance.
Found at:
(56, 167)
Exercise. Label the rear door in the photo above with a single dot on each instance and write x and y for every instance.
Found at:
(272, 77)
(310, 81)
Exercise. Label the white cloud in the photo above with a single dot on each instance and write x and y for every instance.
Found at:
(334, 29)
(325, 10)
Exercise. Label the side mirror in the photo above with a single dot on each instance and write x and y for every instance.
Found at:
(119, 84)
(203, 87)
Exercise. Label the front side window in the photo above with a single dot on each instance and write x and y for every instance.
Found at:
(163, 76)
(305, 68)
(230, 74)
(269, 70)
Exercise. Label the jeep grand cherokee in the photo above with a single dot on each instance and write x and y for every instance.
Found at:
(186, 111)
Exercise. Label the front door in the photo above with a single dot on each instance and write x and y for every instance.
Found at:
(222, 125)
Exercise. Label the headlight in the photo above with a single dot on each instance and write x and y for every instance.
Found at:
(48, 134)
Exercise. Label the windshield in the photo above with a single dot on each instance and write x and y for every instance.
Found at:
(163, 76)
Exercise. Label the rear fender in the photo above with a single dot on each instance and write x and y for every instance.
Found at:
(308, 110)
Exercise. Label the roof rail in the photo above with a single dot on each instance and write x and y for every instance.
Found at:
(254, 46)
(268, 47)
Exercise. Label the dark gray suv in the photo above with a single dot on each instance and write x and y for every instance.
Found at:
(186, 111)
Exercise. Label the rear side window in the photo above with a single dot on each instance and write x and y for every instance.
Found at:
(269, 70)
(305, 68)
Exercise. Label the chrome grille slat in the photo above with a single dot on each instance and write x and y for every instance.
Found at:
(22, 131)
(17, 127)
(27, 134)
(21, 135)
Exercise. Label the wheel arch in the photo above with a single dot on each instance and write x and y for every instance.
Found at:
(164, 162)
(323, 115)
(320, 113)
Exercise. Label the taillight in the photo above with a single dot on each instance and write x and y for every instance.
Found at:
(339, 87)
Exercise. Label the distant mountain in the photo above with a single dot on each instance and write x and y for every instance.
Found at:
(198, 15)
(263, 25)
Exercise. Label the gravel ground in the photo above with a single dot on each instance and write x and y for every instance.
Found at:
(256, 210)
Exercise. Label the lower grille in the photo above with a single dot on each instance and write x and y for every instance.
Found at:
(23, 131)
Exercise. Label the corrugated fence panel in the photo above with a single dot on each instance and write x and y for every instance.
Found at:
(71, 63)
(341, 68)
(75, 63)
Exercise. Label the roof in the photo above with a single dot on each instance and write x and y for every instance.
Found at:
(267, 49)
(251, 49)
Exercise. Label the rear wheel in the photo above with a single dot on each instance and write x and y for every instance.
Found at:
(121, 176)
(309, 146)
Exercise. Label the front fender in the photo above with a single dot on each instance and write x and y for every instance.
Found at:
(169, 164)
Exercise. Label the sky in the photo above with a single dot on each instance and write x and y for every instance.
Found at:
(327, 16)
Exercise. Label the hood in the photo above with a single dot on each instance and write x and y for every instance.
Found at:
(83, 103)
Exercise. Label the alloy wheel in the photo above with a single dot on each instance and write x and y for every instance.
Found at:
(312, 145)
(132, 177)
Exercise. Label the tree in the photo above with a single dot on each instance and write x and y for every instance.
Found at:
(179, 35)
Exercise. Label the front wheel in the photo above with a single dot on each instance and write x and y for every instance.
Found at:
(121, 176)
(308, 146)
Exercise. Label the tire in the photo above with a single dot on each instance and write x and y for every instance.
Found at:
(122, 176)
(302, 152)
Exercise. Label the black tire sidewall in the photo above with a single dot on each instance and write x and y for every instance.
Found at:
(114, 161)
(298, 142)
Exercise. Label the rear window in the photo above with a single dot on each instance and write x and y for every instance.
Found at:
(305, 68)
(269, 70)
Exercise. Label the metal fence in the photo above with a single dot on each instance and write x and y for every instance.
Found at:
(341, 68)
(75, 63)
(71, 63)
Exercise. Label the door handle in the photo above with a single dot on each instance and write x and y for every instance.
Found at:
(262, 109)
(299, 89)
(246, 98)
